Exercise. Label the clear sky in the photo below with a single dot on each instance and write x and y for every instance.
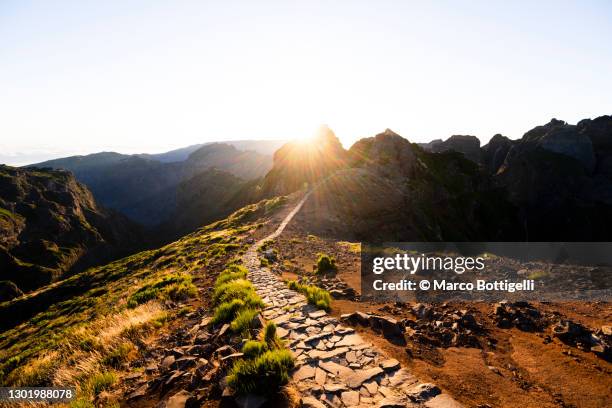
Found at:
(148, 76)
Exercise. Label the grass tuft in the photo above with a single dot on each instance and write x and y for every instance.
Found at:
(315, 295)
(102, 382)
(325, 264)
(265, 373)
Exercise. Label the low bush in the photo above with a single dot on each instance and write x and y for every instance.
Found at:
(325, 264)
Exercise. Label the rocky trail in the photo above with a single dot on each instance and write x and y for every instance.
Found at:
(335, 367)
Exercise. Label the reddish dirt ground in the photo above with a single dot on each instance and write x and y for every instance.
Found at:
(520, 369)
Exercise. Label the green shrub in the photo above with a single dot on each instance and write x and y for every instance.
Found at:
(242, 321)
(102, 382)
(235, 289)
(226, 311)
(293, 285)
(314, 295)
(254, 348)
(263, 262)
(181, 291)
(326, 263)
(176, 286)
(231, 273)
(265, 373)
(119, 355)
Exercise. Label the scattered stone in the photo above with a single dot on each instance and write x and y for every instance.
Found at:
(350, 340)
(224, 329)
(167, 362)
(139, 393)
(317, 314)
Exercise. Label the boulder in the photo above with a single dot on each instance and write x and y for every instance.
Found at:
(389, 327)
(356, 318)
(422, 392)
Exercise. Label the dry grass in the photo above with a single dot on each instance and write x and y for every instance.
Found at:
(87, 352)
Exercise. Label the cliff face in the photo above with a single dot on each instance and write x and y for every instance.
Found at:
(50, 226)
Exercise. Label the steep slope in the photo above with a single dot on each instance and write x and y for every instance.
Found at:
(106, 330)
(51, 226)
(144, 189)
(204, 198)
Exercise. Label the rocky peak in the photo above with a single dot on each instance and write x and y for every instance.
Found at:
(387, 152)
(468, 145)
(494, 153)
(299, 162)
(559, 137)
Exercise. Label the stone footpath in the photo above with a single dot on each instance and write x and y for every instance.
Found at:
(335, 367)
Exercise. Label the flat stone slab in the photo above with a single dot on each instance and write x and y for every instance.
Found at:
(304, 372)
(350, 398)
(336, 369)
(361, 376)
(350, 340)
(390, 364)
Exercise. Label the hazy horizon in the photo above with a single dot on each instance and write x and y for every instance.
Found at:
(151, 76)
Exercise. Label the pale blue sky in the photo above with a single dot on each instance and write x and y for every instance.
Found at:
(149, 76)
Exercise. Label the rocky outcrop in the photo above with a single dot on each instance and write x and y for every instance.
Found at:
(394, 190)
(560, 180)
(559, 137)
(494, 153)
(468, 145)
(387, 153)
(301, 163)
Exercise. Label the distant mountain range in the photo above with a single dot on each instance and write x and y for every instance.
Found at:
(146, 187)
